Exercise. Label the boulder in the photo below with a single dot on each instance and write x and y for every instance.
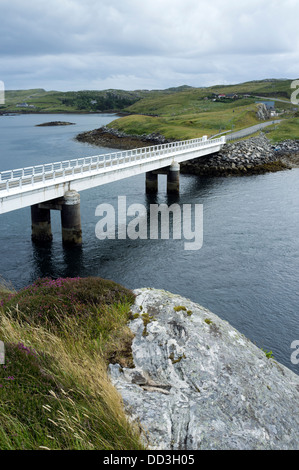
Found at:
(263, 113)
(198, 383)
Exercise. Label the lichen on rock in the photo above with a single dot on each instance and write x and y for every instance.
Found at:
(201, 384)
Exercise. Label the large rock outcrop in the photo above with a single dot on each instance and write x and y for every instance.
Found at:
(263, 113)
(200, 384)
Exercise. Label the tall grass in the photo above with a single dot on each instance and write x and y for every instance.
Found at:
(190, 124)
(54, 389)
(285, 130)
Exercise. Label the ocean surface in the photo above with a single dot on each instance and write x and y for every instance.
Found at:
(247, 270)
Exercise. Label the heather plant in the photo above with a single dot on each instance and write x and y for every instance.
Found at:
(47, 299)
(54, 389)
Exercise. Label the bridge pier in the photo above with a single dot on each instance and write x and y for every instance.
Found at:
(69, 206)
(151, 182)
(71, 219)
(40, 224)
(173, 178)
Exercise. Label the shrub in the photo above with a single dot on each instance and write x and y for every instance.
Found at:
(47, 299)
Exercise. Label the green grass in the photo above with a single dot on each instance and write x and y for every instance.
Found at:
(283, 131)
(192, 112)
(268, 87)
(59, 338)
(189, 126)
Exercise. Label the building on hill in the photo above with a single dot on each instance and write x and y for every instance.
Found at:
(24, 105)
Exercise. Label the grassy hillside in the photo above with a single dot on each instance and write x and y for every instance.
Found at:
(198, 111)
(187, 124)
(59, 336)
(39, 100)
(267, 87)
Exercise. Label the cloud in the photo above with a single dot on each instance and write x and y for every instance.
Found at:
(153, 43)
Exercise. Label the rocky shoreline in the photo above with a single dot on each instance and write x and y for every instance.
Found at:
(255, 155)
(112, 138)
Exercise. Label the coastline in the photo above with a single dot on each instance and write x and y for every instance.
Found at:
(112, 138)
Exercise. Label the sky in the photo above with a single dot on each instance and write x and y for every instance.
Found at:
(145, 44)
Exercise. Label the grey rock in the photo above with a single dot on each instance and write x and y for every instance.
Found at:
(200, 384)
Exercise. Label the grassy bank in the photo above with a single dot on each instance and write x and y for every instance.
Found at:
(285, 130)
(191, 125)
(59, 337)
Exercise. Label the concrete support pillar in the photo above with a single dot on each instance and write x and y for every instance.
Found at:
(40, 224)
(71, 219)
(173, 178)
(151, 182)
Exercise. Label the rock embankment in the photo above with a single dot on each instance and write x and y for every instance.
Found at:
(109, 137)
(200, 384)
(252, 156)
(288, 152)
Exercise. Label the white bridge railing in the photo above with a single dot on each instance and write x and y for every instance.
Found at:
(49, 173)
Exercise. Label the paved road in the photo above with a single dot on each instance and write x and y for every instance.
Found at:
(250, 130)
(267, 98)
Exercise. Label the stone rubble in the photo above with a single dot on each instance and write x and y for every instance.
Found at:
(254, 155)
(200, 384)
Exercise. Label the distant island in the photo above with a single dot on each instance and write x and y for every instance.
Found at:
(56, 123)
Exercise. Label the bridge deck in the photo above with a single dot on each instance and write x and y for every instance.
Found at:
(26, 186)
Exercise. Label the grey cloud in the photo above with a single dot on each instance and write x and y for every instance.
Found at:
(159, 42)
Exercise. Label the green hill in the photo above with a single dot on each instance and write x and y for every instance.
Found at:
(198, 111)
(39, 100)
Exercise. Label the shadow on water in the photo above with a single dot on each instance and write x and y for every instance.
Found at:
(45, 261)
(200, 185)
(73, 261)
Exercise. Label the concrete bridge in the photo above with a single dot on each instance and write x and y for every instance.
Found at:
(57, 185)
